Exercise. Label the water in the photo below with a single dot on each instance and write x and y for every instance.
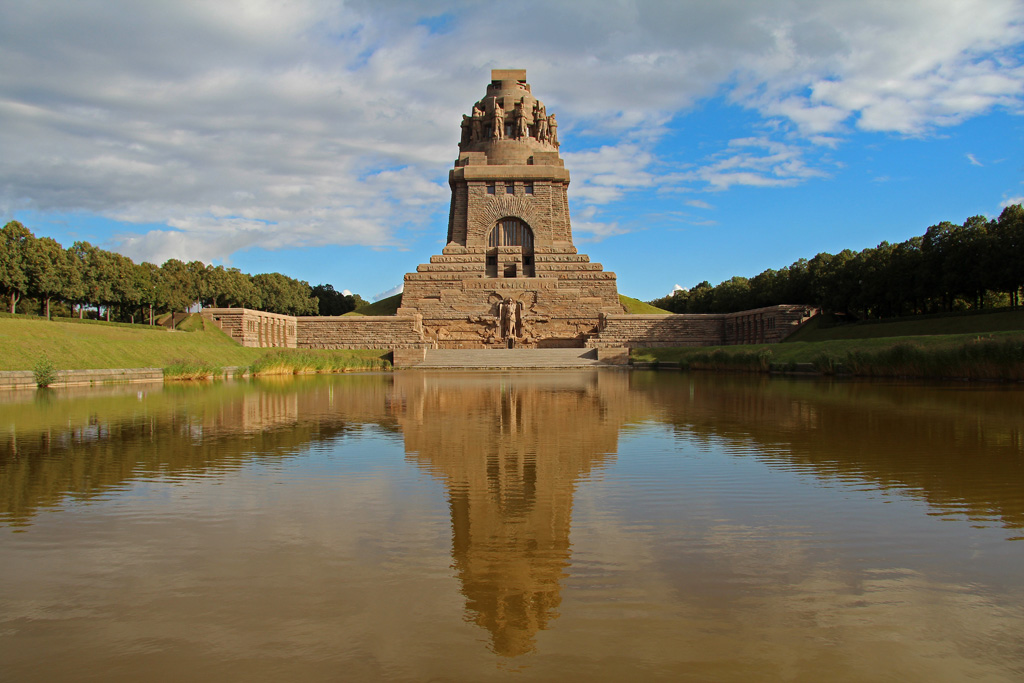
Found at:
(462, 526)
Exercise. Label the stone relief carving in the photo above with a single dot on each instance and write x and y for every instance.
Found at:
(552, 130)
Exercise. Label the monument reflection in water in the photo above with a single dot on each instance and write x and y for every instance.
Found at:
(476, 526)
(510, 454)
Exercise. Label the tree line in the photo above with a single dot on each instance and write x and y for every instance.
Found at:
(950, 267)
(37, 273)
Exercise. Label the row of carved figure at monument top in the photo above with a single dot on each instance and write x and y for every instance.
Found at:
(544, 128)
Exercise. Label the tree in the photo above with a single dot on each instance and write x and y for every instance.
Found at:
(15, 239)
(281, 294)
(732, 295)
(126, 285)
(333, 302)
(98, 277)
(147, 282)
(49, 268)
(178, 288)
(1008, 252)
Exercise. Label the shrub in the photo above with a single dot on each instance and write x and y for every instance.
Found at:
(45, 372)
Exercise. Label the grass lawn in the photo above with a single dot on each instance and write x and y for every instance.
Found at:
(74, 345)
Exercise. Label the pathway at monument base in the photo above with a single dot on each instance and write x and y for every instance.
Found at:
(509, 276)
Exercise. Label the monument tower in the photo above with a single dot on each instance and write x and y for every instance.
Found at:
(509, 275)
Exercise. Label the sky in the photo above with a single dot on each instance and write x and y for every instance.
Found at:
(314, 138)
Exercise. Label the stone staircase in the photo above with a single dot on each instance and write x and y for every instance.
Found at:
(501, 359)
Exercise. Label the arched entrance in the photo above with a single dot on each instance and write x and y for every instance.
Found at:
(510, 232)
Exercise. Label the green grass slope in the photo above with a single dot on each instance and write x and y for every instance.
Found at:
(387, 306)
(76, 345)
(636, 307)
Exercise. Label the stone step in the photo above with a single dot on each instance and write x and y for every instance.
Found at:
(509, 358)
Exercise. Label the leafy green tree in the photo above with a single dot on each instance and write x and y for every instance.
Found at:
(178, 287)
(732, 295)
(49, 268)
(229, 287)
(126, 287)
(281, 294)
(99, 278)
(333, 302)
(1008, 252)
(147, 282)
(15, 241)
(78, 258)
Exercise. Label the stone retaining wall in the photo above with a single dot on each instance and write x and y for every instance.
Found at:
(25, 379)
(640, 331)
(767, 325)
(360, 332)
(254, 328)
(407, 331)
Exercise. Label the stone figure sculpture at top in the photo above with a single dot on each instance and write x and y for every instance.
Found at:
(499, 122)
(509, 117)
(522, 128)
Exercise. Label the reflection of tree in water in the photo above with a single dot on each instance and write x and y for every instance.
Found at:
(84, 448)
(959, 447)
(510, 451)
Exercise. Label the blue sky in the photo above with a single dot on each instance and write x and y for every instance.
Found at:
(314, 138)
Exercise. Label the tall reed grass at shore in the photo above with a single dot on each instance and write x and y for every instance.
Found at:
(303, 362)
(982, 359)
(284, 362)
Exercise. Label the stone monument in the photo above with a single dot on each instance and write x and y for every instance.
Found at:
(509, 275)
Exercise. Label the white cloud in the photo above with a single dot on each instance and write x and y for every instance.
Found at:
(974, 162)
(698, 204)
(242, 124)
(756, 162)
(398, 289)
(1011, 201)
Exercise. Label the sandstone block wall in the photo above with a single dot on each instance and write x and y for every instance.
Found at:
(254, 328)
(766, 325)
(640, 331)
(259, 329)
(360, 332)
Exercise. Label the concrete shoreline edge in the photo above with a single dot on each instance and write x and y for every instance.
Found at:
(26, 379)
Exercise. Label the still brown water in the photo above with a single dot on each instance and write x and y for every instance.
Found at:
(473, 527)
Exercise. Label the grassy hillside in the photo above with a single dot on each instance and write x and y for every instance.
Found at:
(387, 306)
(635, 306)
(74, 344)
